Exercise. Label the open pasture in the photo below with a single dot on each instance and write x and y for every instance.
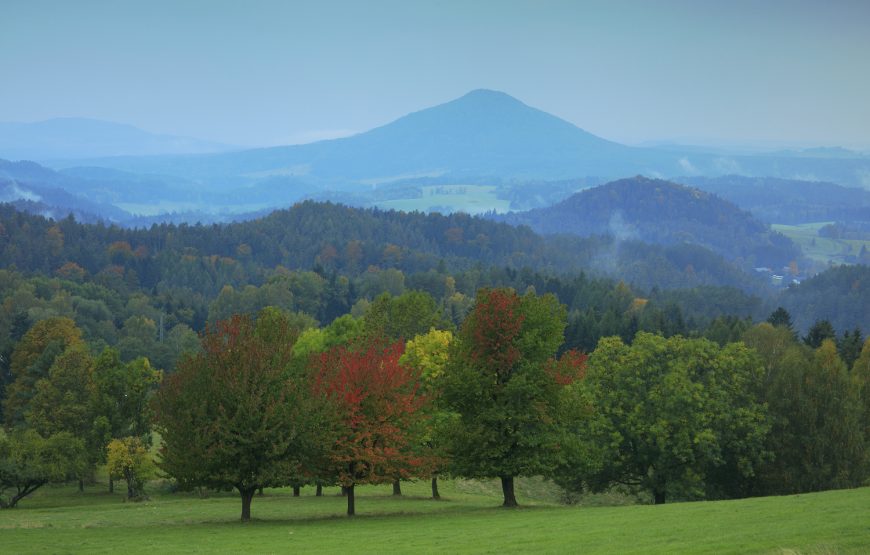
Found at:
(468, 520)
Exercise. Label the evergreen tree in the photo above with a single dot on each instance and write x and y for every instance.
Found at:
(781, 317)
(818, 332)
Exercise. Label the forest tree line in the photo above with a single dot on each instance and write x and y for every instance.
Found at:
(94, 319)
(401, 391)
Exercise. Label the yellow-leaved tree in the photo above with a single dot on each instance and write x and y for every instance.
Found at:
(128, 458)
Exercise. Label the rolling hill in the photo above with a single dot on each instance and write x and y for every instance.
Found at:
(788, 201)
(661, 212)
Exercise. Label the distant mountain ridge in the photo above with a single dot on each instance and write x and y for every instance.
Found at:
(75, 138)
(483, 133)
(505, 150)
(662, 212)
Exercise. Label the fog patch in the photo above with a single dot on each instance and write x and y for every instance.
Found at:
(12, 192)
(607, 258)
(687, 166)
(619, 229)
(726, 166)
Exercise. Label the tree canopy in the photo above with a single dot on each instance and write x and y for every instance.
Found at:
(498, 384)
(670, 412)
(233, 416)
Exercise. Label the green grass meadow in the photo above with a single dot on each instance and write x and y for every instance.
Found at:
(472, 199)
(820, 249)
(468, 520)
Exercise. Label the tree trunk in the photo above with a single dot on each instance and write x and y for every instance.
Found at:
(435, 494)
(397, 487)
(659, 497)
(247, 495)
(351, 507)
(111, 485)
(81, 485)
(344, 491)
(131, 490)
(260, 492)
(296, 491)
(507, 487)
(319, 491)
(22, 493)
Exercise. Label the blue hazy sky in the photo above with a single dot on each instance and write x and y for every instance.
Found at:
(272, 72)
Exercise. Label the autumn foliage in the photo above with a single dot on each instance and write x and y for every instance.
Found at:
(378, 402)
(569, 368)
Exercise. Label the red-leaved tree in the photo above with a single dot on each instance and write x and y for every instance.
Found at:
(378, 402)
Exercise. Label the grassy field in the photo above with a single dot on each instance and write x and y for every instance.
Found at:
(820, 249)
(472, 199)
(469, 520)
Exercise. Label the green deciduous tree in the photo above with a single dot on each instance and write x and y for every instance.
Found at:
(342, 331)
(817, 411)
(31, 361)
(233, 416)
(403, 317)
(861, 378)
(61, 401)
(28, 461)
(121, 399)
(669, 414)
(497, 382)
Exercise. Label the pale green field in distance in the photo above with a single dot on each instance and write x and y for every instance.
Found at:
(169, 207)
(472, 199)
(468, 520)
(817, 248)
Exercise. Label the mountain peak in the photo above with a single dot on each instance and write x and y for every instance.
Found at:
(487, 100)
(488, 94)
(485, 132)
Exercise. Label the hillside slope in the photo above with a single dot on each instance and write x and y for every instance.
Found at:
(788, 201)
(662, 212)
(346, 240)
(840, 294)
